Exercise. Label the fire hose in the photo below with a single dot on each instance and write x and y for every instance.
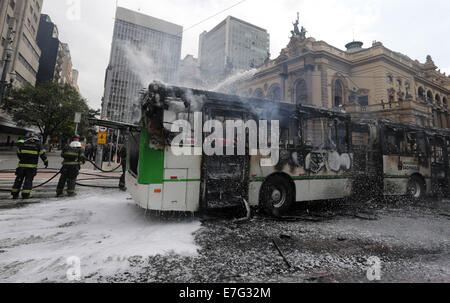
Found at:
(99, 177)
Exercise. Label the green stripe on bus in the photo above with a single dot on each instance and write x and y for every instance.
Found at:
(151, 162)
(182, 180)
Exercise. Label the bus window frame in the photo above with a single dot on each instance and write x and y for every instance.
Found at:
(402, 149)
(343, 144)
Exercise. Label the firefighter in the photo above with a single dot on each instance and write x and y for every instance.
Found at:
(73, 158)
(123, 161)
(28, 151)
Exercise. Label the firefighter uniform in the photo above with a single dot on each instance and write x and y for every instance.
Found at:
(28, 152)
(73, 158)
(123, 161)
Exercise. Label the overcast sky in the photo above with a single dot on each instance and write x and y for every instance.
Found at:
(416, 28)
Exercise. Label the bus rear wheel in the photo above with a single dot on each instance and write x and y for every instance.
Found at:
(277, 196)
(416, 188)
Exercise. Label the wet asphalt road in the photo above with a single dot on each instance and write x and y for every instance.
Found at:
(410, 242)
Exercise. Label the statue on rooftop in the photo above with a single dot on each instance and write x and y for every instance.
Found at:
(297, 22)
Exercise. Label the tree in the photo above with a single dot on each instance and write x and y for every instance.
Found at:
(51, 107)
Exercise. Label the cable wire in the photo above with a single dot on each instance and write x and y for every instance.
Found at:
(210, 17)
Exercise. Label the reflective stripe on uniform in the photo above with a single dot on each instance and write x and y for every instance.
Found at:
(15, 190)
(28, 152)
(28, 165)
(26, 191)
(70, 154)
(42, 152)
(71, 163)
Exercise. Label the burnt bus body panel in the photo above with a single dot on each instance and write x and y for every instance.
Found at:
(408, 151)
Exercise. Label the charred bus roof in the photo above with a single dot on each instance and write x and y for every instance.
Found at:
(232, 102)
(431, 131)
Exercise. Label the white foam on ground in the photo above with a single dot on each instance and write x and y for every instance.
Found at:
(103, 230)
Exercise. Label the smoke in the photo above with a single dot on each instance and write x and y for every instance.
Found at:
(145, 70)
(141, 64)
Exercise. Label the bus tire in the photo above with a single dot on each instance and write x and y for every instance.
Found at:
(277, 196)
(416, 188)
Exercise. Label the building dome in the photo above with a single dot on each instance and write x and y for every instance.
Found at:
(354, 46)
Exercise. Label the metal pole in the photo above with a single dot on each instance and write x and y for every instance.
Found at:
(110, 145)
(99, 157)
(117, 146)
(76, 129)
(3, 80)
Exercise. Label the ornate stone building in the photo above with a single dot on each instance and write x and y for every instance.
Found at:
(366, 82)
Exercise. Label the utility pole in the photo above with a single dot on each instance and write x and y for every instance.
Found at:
(9, 52)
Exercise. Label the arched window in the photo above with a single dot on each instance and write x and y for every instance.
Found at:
(275, 93)
(301, 92)
(338, 93)
(258, 93)
(430, 96)
(390, 79)
(438, 99)
(444, 102)
(421, 93)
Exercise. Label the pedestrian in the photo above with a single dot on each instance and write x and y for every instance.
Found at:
(123, 161)
(28, 152)
(73, 158)
(87, 152)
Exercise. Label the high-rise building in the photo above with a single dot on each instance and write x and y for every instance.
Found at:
(75, 75)
(143, 49)
(52, 59)
(56, 60)
(66, 72)
(189, 73)
(20, 21)
(232, 45)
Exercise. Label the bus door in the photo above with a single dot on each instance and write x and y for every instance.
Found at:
(439, 165)
(368, 159)
(224, 177)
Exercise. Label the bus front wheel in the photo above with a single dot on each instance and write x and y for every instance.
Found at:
(277, 196)
(416, 188)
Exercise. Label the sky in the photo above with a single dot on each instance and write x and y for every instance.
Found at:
(416, 28)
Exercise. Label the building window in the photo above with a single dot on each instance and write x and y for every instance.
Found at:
(430, 96)
(338, 93)
(390, 79)
(27, 65)
(444, 102)
(30, 47)
(438, 99)
(258, 93)
(421, 93)
(363, 100)
(301, 92)
(275, 93)
(399, 82)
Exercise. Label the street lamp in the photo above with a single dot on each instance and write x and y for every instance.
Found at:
(12, 77)
(9, 52)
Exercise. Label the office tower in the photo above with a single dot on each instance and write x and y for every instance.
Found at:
(143, 49)
(233, 45)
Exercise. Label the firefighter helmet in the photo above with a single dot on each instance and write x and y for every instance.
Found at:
(75, 144)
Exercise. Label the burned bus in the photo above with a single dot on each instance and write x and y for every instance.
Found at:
(396, 159)
(311, 148)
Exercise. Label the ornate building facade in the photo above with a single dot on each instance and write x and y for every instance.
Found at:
(372, 82)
